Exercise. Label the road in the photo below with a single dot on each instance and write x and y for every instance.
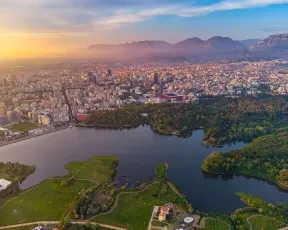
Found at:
(56, 222)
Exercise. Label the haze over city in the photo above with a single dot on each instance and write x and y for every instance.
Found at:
(37, 28)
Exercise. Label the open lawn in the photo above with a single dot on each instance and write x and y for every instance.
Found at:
(48, 201)
(98, 169)
(264, 223)
(134, 210)
(212, 224)
(22, 127)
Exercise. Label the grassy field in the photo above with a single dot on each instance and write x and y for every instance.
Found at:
(52, 199)
(263, 223)
(48, 201)
(87, 227)
(215, 225)
(97, 169)
(134, 210)
(24, 127)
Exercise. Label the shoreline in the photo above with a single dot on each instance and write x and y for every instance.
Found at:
(30, 137)
(105, 126)
(275, 183)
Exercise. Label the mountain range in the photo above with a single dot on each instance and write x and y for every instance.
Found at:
(195, 49)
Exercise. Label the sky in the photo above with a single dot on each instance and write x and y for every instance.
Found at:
(32, 28)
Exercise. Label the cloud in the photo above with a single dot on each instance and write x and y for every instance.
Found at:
(64, 16)
(186, 11)
(273, 29)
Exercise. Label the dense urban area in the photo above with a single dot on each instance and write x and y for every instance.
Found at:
(56, 95)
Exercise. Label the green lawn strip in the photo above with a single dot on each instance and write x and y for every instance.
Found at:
(48, 201)
(159, 224)
(22, 127)
(262, 222)
(87, 227)
(97, 169)
(134, 209)
(213, 224)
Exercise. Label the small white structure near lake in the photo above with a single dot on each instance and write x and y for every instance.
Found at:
(4, 184)
(188, 220)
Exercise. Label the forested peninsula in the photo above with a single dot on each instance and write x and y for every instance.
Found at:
(224, 120)
(265, 158)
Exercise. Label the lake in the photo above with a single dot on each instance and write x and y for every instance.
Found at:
(138, 150)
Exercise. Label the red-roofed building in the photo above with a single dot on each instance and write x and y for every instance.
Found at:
(82, 117)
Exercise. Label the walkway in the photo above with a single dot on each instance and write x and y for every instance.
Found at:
(56, 222)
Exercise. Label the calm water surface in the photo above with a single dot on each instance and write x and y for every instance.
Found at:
(138, 151)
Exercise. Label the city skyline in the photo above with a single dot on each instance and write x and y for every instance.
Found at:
(44, 28)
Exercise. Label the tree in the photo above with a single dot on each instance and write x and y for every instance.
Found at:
(189, 208)
(283, 175)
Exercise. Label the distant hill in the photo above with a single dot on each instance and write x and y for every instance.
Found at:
(273, 41)
(193, 49)
(249, 42)
(274, 46)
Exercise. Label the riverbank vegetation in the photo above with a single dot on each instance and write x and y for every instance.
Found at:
(56, 197)
(265, 158)
(224, 120)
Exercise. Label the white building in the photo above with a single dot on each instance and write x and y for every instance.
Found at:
(4, 184)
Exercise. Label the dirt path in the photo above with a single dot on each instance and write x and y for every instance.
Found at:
(155, 209)
(56, 222)
(117, 199)
(250, 225)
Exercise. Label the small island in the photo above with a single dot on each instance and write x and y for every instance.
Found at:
(11, 174)
(264, 158)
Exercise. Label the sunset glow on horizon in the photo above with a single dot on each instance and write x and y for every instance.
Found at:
(36, 28)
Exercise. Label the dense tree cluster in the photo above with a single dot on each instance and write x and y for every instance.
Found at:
(223, 119)
(266, 157)
(95, 201)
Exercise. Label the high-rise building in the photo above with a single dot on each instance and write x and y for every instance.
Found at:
(156, 78)
(10, 116)
(109, 72)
